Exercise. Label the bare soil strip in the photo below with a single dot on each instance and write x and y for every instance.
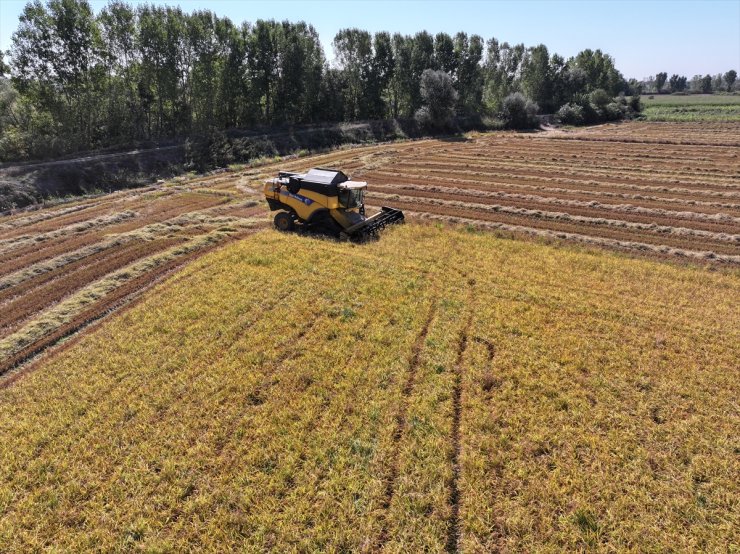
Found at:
(567, 227)
(111, 302)
(46, 294)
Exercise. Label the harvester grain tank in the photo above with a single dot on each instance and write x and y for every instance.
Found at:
(325, 200)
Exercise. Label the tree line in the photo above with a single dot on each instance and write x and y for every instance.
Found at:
(76, 80)
(704, 84)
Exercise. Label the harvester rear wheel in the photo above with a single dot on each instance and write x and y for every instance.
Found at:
(284, 221)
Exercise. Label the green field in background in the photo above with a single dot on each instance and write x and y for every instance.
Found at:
(694, 107)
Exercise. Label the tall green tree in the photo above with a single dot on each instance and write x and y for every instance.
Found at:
(57, 56)
(81, 81)
(469, 74)
(537, 81)
(502, 71)
(354, 54)
(235, 106)
(444, 53)
(600, 71)
(118, 27)
(677, 83)
(262, 56)
(730, 78)
(660, 79)
(4, 68)
(402, 83)
(422, 57)
(383, 68)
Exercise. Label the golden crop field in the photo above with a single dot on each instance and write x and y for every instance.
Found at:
(439, 390)
(663, 190)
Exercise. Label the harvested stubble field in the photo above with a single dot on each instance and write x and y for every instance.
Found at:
(669, 190)
(439, 390)
(665, 189)
(64, 267)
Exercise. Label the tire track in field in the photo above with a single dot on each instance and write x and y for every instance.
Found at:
(398, 432)
(453, 529)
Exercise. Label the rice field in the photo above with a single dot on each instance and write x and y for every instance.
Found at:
(441, 390)
(662, 190)
(174, 376)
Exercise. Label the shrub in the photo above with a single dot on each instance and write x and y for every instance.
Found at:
(613, 111)
(439, 97)
(635, 103)
(212, 152)
(519, 112)
(600, 99)
(570, 114)
(424, 118)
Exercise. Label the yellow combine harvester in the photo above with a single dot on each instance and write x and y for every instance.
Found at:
(327, 201)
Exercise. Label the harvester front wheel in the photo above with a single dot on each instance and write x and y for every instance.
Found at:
(284, 221)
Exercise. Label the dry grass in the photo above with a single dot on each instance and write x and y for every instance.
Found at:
(291, 394)
(65, 311)
(76, 228)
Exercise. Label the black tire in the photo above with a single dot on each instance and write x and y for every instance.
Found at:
(284, 221)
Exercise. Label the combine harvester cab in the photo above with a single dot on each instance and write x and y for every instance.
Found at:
(325, 200)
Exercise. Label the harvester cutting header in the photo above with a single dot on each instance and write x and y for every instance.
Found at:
(325, 200)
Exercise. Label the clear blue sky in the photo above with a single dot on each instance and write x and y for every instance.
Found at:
(644, 37)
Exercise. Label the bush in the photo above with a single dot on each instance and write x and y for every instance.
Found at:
(613, 111)
(439, 97)
(519, 112)
(570, 114)
(600, 98)
(635, 103)
(424, 118)
(213, 152)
